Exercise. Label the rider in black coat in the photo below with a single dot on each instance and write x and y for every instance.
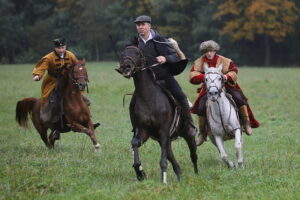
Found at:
(156, 49)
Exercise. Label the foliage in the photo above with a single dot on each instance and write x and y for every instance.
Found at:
(247, 19)
(275, 18)
(237, 25)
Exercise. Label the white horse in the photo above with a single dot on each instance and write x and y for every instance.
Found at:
(222, 116)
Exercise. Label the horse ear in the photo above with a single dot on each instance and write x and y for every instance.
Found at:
(83, 61)
(220, 67)
(205, 67)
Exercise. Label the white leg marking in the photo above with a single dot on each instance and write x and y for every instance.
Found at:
(97, 147)
(238, 147)
(164, 177)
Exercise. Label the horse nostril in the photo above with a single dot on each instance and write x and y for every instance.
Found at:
(212, 93)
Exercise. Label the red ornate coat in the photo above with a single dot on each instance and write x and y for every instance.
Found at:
(229, 69)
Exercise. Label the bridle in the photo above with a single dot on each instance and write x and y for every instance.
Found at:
(137, 66)
(220, 90)
(76, 78)
(214, 84)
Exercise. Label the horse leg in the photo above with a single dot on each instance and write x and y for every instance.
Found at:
(193, 151)
(89, 131)
(136, 142)
(51, 140)
(238, 146)
(164, 144)
(43, 134)
(42, 129)
(175, 165)
(220, 145)
(93, 136)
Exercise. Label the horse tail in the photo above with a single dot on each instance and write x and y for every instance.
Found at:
(23, 109)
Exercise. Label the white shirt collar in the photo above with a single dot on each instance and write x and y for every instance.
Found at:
(149, 38)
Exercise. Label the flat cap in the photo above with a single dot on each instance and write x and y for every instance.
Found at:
(142, 18)
(59, 42)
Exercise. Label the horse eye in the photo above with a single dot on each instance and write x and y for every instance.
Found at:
(220, 79)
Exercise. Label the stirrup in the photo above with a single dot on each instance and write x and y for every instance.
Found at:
(201, 139)
(56, 135)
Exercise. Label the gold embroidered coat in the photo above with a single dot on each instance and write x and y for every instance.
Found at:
(51, 63)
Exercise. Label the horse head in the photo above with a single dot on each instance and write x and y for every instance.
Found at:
(214, 81)
(78, 74)
(132, 60)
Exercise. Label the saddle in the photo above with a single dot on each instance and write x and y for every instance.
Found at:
(174, 103)
(53, 111)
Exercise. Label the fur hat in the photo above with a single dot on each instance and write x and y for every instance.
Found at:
(209, 45)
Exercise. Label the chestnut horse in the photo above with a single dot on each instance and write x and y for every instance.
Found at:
(76, 113)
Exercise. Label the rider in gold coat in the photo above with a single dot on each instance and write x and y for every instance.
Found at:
(52, 62)
(230, 71)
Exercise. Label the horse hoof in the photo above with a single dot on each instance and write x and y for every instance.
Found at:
(230, 165)
(50, 146)
(241, 165)
(196, 170)
(97, 147)
(96, 125)
(141, 175)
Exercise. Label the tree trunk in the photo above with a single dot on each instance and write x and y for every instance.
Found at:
(11, 56)
(97, 52)
(267, 51)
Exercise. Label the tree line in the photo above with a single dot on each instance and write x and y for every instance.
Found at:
(251, 32)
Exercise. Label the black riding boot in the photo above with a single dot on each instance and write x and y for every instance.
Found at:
(188, 124)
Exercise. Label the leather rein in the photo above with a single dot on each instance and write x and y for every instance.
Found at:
(135, 62)
(220, 90)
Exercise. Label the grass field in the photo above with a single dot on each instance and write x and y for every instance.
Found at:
(28, 170)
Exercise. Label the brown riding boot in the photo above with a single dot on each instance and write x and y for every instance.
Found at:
(202, 131)
(245, 119)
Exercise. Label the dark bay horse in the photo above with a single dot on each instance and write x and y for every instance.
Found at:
(77, 116)
(152, 114)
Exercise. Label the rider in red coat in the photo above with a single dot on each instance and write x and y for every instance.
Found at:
(230, 71)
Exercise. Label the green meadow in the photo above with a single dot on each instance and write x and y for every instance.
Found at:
(72, 170)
